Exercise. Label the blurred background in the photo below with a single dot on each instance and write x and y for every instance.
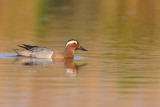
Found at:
(121, 68)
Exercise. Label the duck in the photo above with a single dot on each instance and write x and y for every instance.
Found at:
(45, 52)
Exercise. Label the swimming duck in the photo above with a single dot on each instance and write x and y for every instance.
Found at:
(45, 52)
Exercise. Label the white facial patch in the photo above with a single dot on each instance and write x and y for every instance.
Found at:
(71, 42)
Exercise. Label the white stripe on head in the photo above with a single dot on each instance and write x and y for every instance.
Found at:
(71, 42)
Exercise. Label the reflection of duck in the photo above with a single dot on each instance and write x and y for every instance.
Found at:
(70, 67)
(34, 61)
(44, 52)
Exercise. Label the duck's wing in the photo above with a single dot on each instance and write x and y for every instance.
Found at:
(42, 52)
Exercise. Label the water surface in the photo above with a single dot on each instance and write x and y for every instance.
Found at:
(121, 68)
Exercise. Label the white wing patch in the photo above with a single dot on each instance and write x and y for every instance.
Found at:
(71, 42)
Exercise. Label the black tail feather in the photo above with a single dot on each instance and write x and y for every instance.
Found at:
(26, 46)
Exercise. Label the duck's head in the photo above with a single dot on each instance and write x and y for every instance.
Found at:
(73, 45)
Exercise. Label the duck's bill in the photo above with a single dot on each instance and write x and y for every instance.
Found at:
(83, 49)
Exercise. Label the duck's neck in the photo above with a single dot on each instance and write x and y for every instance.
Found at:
(70, 51)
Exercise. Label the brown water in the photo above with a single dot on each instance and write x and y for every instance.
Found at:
(121, 68)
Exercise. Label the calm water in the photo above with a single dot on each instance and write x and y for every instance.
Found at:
(121, 68)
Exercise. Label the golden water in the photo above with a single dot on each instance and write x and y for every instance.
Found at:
(121, 68)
